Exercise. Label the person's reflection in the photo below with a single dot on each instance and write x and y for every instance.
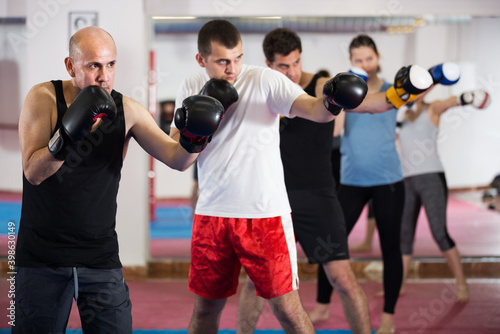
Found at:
(166, 114)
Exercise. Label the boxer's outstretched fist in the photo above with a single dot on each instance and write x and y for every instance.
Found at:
(478, 98)
(221, 90)
(344, 91)
(409, 83)
(446, 74)
(197, 120)
(92, 103)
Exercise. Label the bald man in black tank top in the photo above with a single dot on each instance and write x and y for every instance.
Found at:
(67, 246)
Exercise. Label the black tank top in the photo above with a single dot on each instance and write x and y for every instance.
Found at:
(69, 219)
(306, 150)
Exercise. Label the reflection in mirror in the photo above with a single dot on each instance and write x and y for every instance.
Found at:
(401, 41)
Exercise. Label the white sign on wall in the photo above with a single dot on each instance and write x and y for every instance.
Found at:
(79, 20)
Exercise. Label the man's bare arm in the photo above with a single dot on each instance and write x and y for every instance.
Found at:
(36, 123)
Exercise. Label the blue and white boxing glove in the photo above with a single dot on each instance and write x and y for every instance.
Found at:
(359, 72)
(446, 74)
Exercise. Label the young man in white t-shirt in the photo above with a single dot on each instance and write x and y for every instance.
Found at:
(243, 216)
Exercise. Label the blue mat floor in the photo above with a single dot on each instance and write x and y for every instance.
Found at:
(9, 211)
(172, 222)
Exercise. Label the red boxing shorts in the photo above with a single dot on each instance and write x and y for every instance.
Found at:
(265, 247)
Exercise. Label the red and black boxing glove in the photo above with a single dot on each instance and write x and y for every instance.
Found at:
(92, 103)
(197, 120)
(222, 91)
(344, 91)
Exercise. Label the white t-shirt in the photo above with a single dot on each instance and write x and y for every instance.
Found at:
(240, 173)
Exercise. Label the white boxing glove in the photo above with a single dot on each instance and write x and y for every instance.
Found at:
(478, 98)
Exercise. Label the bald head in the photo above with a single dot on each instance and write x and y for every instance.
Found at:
(88, 39)
(92, 58)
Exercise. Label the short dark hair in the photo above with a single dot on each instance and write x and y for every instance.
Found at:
(324, 73)
(220, 31)
(281, 41)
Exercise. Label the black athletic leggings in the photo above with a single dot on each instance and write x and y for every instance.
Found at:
(388, 202)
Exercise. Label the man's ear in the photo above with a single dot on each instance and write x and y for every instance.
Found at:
(69, 63)
(200, 60)
(268, 63)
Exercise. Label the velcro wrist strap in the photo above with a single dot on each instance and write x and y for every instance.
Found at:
(393, 98)
(192, 146)
(333, 108)
(56, 146)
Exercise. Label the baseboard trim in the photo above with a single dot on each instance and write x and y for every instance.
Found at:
(365, 269)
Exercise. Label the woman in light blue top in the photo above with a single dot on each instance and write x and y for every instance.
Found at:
(371, 169)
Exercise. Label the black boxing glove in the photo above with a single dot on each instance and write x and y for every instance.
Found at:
(92, 103)
(222, 91)
(197, 120)
(344, 91)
